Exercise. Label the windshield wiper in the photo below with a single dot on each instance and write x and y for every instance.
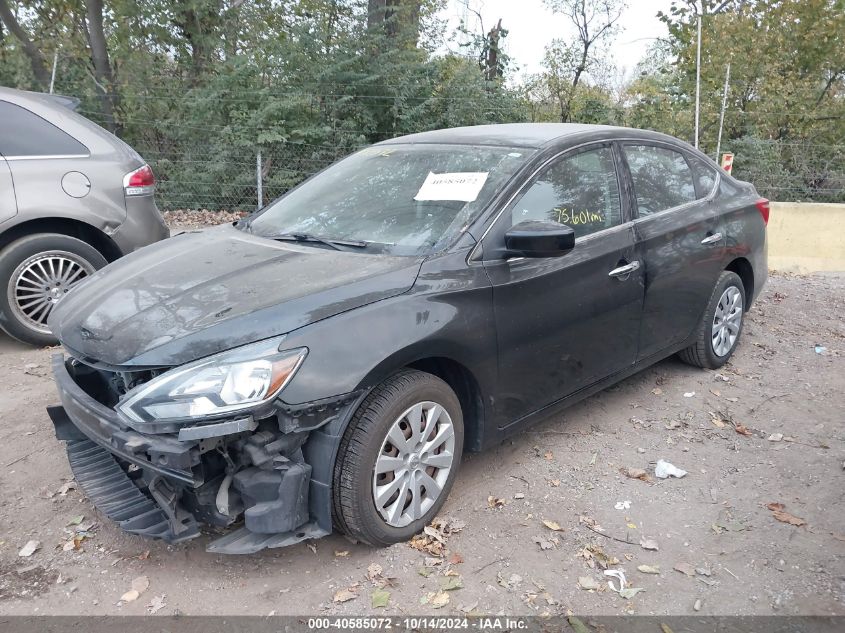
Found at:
(308, 237)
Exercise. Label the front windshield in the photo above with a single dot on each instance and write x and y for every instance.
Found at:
(398, 199)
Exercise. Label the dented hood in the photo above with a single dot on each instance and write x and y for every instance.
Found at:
(204, 292)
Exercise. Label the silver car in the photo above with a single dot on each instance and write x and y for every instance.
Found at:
(73, 197)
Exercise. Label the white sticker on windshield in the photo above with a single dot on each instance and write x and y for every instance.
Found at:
(464, 186)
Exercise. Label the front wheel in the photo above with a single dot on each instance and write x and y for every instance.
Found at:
(36, 272)
(398, 459)
(720, 327)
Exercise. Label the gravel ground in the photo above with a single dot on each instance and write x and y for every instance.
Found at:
(530, 524)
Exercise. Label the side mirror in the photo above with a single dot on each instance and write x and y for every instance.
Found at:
(534, 238)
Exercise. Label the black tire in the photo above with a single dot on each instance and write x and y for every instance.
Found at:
(353, 508)
(17, 252)
(701, 353)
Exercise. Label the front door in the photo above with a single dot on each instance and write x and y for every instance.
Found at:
(565, 322)
(681, 240)
(8, 204)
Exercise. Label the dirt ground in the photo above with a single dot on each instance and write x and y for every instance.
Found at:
(767, 429)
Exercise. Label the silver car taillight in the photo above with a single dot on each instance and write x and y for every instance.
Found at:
(140, 182)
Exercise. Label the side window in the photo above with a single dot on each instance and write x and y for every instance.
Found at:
(580, 191)
(23, 133)
(705, 176)
(662, 178)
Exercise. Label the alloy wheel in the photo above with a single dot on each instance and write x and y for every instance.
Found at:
(727, 321)
(413, 464)
(41, 281)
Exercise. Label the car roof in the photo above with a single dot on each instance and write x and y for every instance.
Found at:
(535, 135)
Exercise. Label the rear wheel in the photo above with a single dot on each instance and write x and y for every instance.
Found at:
(720, 328)
(36, 272)
(398, 459)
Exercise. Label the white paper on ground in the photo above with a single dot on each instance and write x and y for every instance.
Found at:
(463, 186)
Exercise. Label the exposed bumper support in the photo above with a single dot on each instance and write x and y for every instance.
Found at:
(160, 487)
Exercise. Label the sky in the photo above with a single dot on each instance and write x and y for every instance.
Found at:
(532, 26)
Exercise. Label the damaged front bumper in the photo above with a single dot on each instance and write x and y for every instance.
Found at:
(164, 485)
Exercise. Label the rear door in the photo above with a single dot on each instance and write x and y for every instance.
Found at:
(563, 323)
(680, 239)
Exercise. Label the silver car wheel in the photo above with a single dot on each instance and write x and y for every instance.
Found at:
(727, 321)
(40, 281)
(413, 464)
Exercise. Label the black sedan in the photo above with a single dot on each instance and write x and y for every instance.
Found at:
(326, 362)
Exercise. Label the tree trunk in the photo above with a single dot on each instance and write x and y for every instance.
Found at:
(100, 59)
(36, 59)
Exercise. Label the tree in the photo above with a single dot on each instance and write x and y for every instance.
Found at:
(32, 52)
(103, 75)
(567, 60)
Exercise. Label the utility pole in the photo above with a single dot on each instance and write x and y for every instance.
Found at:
(53, 76)
(722, 114)
(697, 79)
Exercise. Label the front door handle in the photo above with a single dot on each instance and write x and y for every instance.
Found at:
(624, 271)
(712, 239)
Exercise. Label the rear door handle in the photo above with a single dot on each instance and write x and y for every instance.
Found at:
(712, 239)
(624, 271)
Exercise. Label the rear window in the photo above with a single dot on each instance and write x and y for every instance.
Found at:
(662, 178)
(23, 133)
(705, 176)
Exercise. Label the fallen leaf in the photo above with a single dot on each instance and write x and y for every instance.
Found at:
(657, 391)
(76, 520)
(685, 568)
(380, 598)
(665, 627)
(156, 604)
(344, 595)
(30, 548)
(785, 517)
(588, 583)
(543, 543)
(374, 571)
(549, 456)
(552, 525)
(742, 430)
(67, 487)
(593, 553)
(425, 572)
(144, 555)
(434, 533)
(630, 592)
(631, 526)
(593, 459)
(456, 559)
(130, 596)
(649, 544)
(716, 392)
(554, 483)
(439, 599)
(495, 502)
(577, 625)
(451, 583)
(635, 473)
(649, 569)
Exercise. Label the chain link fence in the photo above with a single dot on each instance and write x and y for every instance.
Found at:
(243, 179)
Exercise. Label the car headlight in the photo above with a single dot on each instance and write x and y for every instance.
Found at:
(239, 379)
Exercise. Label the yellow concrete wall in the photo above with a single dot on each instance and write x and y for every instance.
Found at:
(806, 237)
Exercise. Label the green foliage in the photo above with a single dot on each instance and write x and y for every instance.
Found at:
(202, 86)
